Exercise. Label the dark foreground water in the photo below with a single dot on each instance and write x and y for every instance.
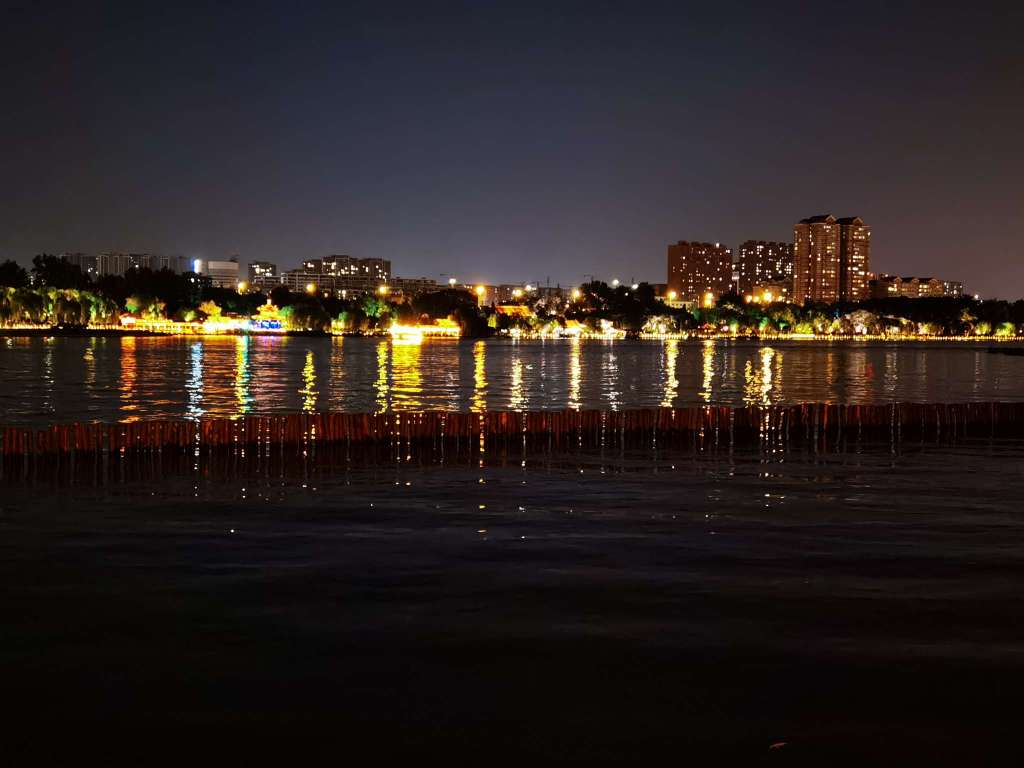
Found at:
(506, 606)
(111, 379)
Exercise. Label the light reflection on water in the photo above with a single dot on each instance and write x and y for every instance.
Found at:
(68, 379)
(308, 389)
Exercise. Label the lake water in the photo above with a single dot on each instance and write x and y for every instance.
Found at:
(588, 604)
(88, 379)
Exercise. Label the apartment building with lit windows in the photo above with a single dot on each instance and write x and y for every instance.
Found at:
(699, 272)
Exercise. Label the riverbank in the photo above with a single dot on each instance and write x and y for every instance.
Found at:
(128, 331)
(696, 336)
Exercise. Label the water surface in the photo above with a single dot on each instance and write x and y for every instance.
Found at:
(84, 379)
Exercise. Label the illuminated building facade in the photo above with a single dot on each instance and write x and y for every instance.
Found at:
(340, 275)
(699, 272)
(891, 286)
(816, 260)
(261, 269)
(854, 258)
(222, 274)
(763, 262)
(831, 259)
(953, 288)
(349, 266)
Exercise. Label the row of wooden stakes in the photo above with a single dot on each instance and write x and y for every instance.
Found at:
(739, 424)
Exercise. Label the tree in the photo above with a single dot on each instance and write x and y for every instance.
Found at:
(55, 272)
(13, 275)
(210, 309)
(306, 314)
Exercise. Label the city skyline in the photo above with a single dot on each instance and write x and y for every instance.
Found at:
(507, 144)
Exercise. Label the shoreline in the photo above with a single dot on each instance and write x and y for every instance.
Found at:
(121, 332)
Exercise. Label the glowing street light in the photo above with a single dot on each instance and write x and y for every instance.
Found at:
(480, 290)
(672, 295)
(517, 293)
(615, 282)
(634, 286)
(576, 294)
(709, 299)
(310, 287)
(451, 281)
(243, 286)
(382, 290)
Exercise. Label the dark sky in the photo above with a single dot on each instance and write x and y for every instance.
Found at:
(514, 142)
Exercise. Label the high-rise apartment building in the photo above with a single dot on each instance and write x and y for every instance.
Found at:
(114, 263)
(831, 259)
(816, 260)
(763, 262)
(854, 258)
(699, 272)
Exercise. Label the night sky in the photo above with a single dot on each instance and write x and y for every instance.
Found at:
(514, 142)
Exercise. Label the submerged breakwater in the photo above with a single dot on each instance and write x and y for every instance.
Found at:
(584, 428)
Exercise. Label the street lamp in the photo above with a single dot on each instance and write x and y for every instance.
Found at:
(672, 295)
(615, 283)
(310, 287)
(382, 290)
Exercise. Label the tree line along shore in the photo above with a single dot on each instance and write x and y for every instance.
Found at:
(57, 296)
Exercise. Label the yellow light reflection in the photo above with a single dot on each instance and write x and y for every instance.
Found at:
(707, 385)
(516, 398)
(129, 379)
(575, 373)
(242, 393)
(381, 385)
(89, 356)
(757, 383)
(406, 380)
(308, 390)
(671, 380)
(479, 377)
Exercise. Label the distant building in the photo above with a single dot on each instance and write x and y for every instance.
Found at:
(261, 269)
(175, 264)
(222, 274)
(953, 288)
(88, 264)
(892, 286)
(349, 266)
(699, 272)
(340, 275)
(762, 262)
(115, 263)
(831, 259)
(413, 286)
